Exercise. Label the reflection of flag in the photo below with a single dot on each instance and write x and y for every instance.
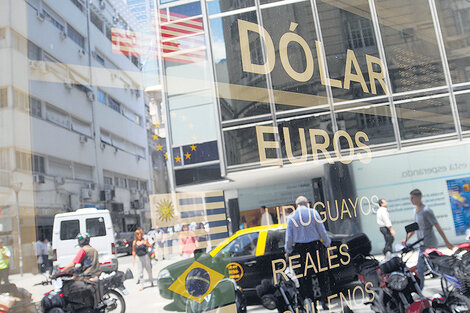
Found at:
(182, 40)
(196, 282)
(168, 210)
(198, 153)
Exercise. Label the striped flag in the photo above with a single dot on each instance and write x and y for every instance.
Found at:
(182, 40)
(169, 210)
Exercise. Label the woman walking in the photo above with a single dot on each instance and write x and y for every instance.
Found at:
(140, 248)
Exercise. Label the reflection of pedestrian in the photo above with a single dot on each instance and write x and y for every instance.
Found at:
(243, 224)
(266, 218)
(4, 263)
(383, 219)
(306, 236)
(188, 242)
(425, 218)
(140, 248)
(41, 254)
(49, 257)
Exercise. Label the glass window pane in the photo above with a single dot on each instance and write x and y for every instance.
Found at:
(425, 118)
(95, 227)
(352, 56)
(69, 229)
(454, 19)
(242, 93)
(295, 75)
(463, 106)
(410, 45)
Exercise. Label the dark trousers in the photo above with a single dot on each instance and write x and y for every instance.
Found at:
(306, 284)
(388, 239)
(4, 275)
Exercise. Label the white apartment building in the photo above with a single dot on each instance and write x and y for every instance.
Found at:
(76, 108)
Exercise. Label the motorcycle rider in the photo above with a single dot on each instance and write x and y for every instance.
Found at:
(89, 270)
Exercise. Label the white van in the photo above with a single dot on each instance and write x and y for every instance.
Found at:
(97, 223)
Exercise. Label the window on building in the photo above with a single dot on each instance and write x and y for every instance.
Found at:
(20, 100)
(81, 127)
(101, 96)
(82, 171)
(99, 58)
(58, 167)
(133, 184)
(108, 33)
(57, 117)
(54, 19)
(143, 185)
(78, 4)
(76, 36)
(38, 164)
(97, 21)
(106, 137)
(359, 31)
(35, 107)
(120, 182)
(69, 229)
(34, 52)
(113, 104)
(108, 180)
(23, 160)
(3, 97)
(4, 159)
(95, 227)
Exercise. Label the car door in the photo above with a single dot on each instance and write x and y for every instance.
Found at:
(274, 250)
(242, 265)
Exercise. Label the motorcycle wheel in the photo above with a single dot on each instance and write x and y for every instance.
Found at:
(119, 305)
(458, 303)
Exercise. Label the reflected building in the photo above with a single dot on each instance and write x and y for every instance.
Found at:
(75, 103)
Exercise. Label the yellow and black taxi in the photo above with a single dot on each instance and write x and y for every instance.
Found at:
(248, 257)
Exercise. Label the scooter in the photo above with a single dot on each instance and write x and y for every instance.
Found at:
(64, 299)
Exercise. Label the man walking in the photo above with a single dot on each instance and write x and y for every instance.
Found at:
(4, 263)
(266, 218)
(425, 218)
(307, 235)
(383, 219)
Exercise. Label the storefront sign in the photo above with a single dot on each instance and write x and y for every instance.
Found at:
(319, 142)
(352, 70)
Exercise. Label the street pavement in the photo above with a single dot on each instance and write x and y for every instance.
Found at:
(149, 300)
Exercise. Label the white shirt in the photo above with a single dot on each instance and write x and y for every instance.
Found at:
(266, 219)
(383, 218)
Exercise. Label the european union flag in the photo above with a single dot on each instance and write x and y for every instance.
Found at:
(199, 153)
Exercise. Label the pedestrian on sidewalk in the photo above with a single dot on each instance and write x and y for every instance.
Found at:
(140, 248)
(383, 220)
(426, 220)
(4, 263)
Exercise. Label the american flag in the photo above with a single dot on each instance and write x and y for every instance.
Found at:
(182, 40)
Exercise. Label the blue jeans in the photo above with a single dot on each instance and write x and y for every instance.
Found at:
(421, 268)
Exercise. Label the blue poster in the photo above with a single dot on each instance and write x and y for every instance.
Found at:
(459, 195)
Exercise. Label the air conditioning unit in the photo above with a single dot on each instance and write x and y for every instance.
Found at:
(107, 195)
(81, 52)
(39, 179)
(63, 35)
(102, 4)
(90, 96)
(59, 180)
(40, 15)
(86, 193)
(83, 139)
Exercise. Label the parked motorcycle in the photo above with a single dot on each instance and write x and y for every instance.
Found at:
(395, 286)
(16, 300)
(63, 298)
(453, 271)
